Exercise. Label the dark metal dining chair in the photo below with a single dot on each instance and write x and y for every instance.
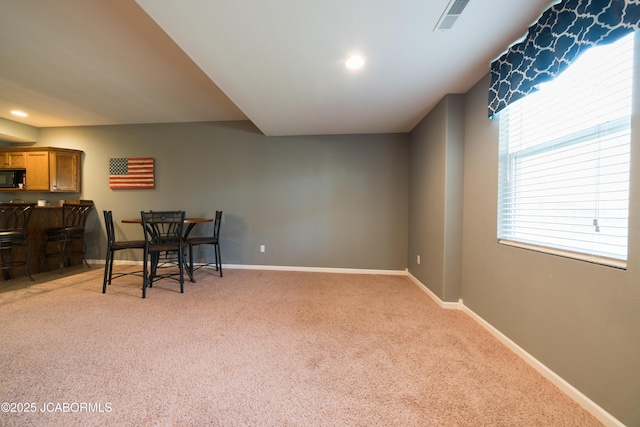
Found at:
(14, 222)
(70, 235)
(213, 240)
(113, 246)
(163, 233)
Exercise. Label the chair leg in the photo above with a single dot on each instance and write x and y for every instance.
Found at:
(106, 274)
(61, 253)
(181, 267)
(26, 266)
(155, 259)
(110, 267)
(218, 258)
(107, 269)
(3, 261)
(191, 263)
(145, 270)
(84, 252)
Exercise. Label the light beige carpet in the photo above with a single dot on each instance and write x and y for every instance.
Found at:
(260, 348)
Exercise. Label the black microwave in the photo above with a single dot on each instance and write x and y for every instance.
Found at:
(11, 178)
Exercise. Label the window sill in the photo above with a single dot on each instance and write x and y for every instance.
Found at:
(594, 259)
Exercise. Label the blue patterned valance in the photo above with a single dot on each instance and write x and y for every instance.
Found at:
(561, 34)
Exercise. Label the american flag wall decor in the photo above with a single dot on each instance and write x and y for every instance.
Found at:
(134, 173)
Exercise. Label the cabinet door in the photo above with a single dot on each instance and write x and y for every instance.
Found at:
(37, 165)
(17, 160)
(65, 175)
(4, 159)
(12, 160)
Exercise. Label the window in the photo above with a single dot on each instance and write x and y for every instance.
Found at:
(564, 160)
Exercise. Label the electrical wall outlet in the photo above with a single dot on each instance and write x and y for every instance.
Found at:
(262, 248)
(418, 259)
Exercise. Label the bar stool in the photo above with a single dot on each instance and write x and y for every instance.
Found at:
(14, 220)
(74, 217)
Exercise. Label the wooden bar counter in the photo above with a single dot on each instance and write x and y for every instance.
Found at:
(42, 218)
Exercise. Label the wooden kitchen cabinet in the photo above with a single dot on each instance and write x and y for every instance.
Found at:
(64, 171)
(37, 171)
(12, 160)
(47, 169)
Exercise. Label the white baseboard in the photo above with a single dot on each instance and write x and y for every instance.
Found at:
(442, 304)
(589, 405)
(276, 268)
(115, 262)
(594, 409)
(315, 269)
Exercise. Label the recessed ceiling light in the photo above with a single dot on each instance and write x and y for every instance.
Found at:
(354, 62)
(19, 113)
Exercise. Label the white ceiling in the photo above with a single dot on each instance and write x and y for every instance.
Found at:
(278, 63)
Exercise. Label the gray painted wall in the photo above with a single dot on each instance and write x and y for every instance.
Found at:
(315, 201)
(436, 159)
(581, 320)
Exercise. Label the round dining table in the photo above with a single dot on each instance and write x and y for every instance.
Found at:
(189, 222)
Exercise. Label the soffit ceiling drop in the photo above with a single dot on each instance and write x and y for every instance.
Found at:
(280, 65)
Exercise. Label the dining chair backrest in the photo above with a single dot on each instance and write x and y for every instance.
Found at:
(15, 216)
(163, 227)
(108, 225)
(216, 224)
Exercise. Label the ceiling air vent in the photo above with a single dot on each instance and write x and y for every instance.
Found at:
(451, 14)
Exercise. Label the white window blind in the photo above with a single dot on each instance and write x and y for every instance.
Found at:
(564, 160)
